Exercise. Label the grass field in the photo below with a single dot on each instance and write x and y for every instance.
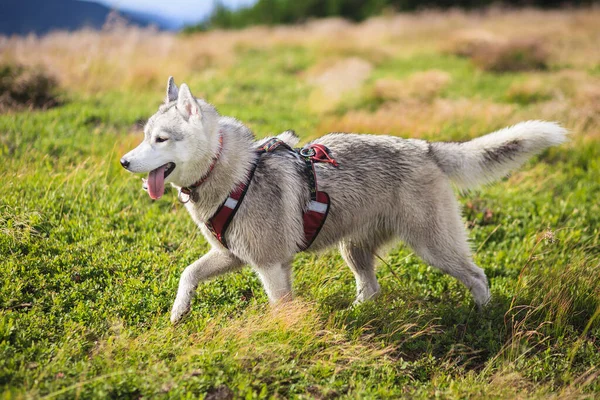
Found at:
(89, 265)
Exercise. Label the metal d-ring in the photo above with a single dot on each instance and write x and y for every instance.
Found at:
(307, 152)
(184, 191)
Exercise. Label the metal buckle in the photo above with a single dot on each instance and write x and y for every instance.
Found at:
(307, 152)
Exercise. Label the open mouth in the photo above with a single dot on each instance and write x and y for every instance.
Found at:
(156, 180)
(169, 167)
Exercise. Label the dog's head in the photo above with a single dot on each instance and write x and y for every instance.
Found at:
(179, 140)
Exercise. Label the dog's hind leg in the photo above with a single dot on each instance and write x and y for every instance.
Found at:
(277, 281)
(213, 263)
(440, 240)
(460, 266)
(360, 259)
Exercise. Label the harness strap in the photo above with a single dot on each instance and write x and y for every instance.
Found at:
(316, 213)
(314, 217)
(219, 222)
(309, 171)
(273, 144)
(317, 210)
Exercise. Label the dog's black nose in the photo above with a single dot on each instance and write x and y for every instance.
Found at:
(124, 163)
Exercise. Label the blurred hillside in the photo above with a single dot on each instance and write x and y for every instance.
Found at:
(274, 12)
(22, 17)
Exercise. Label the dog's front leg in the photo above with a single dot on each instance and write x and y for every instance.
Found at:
(213, 263)
(277, 281)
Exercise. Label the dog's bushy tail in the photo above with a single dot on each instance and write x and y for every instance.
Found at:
(493, 156)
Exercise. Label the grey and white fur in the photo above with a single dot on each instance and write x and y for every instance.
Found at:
(385, 188)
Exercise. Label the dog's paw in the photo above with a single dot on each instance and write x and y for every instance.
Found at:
(180, 311)
(485, 305)
(367, 293)
(481, 295)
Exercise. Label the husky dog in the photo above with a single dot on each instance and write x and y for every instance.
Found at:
(384, 188)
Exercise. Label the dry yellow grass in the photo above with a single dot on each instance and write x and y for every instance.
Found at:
(424, 85)
(414, 119)
(129, 58)
(333, 80)
(533, 90)
(576, 102)
(120, 55)
(519, 54)
(466, 42)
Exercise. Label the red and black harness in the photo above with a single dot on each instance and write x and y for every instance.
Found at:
(317, 209)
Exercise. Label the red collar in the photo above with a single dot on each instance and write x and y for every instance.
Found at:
(188, 189)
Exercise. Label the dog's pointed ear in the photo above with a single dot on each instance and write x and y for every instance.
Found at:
(186, 103)
(172, 91)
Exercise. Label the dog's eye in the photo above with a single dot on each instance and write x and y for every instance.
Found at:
(161, 139)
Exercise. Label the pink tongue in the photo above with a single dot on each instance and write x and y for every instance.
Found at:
(156, 183)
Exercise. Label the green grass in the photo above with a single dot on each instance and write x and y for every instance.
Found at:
(89, 268)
